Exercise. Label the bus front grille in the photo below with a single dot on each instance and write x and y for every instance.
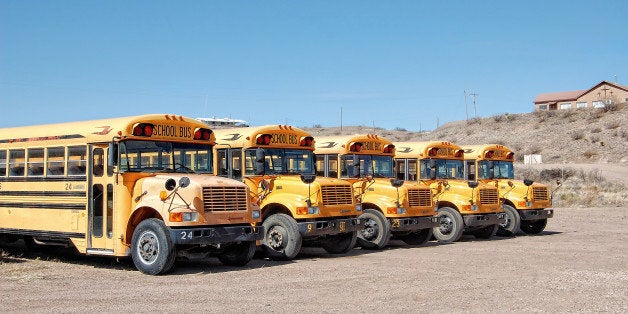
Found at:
(337, 195)
(489, 196)
(540, 193)
(419, 197)
(221, 198)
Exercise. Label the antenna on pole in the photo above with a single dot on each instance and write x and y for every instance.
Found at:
(475, 114)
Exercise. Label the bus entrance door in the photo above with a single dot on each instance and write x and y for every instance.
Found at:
(100, 213)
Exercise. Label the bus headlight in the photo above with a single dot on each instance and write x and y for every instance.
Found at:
(181, 217)
(255, 214)
(313, 210)
(358, 207)
(401, 210)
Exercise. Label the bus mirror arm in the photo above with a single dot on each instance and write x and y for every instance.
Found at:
(112, 155)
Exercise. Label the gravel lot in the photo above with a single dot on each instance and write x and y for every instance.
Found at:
(580, 263)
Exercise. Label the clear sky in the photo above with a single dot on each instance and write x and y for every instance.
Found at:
(392, 64)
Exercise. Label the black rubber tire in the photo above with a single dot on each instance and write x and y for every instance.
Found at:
(152, 250)
(485, 232)
(376, 232)
(533, 226)
(512, 224)
(282, 240)
(451, 225)
(237, 254)
(418, 237)
(340, 243)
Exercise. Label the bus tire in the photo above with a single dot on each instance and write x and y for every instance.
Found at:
(237, 254)
(512, 224)
(533, 226)
(485, 232)
(152, 250)
(376, 232)
(282, 240)
(340, 243)
(451, 225)
(418, 237)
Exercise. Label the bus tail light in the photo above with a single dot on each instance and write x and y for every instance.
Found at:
(389, 149)
(355, 147)
(202, 134)
(307, 141)
(263, 139)
(143, 129)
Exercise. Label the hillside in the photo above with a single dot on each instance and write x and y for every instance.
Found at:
(564, 136)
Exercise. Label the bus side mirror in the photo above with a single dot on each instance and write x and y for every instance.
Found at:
(396, 182)
(472, 184)
(315, 161)
(170, 184)
(259, 161)
(112, 155)
(527, 182)
(308, 178)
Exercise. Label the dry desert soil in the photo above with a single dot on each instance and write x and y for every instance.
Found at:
(578, 264)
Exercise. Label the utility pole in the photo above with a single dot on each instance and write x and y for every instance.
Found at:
(340, 119)
(466, 108)
(475, 114)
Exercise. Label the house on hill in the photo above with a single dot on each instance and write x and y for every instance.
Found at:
(598, 96)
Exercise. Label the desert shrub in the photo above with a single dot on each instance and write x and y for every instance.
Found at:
(474, 121)
(596, 130)
(567, 113)
(594, 138)
(576, 135)
(612, 125)
(400, 129)
(498, 118)
(556, 174)
(589, 153)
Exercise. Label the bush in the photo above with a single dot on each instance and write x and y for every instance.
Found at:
(612, 125)
(577, 135)
(590, 153)
(596, 130)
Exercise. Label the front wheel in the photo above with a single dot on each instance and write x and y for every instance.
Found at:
(340, 243)
(376, 230)
(238, 254)
(152, 250)
(512, 224)
(451, 225)
(533, 226)
(418, 237)
(282, 240)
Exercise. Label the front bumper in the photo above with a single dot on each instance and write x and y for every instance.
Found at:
(413, 223)
(536, 214)
(216, 235)
(484, 219)
(330, 227)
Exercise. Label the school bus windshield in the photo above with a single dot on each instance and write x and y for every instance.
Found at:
(283, 161)
(151, 156)
(445, 169)
(376, 166)
(501, 170)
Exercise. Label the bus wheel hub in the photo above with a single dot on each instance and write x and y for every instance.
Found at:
(275, 238)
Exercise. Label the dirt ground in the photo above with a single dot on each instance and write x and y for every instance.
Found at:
(580, 263)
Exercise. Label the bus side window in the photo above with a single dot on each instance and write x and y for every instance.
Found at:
(332, 165)
(16, 163)
(221, 159)
(320, 165)
(56, 161)
(400, 169)
(3, 163)
(99, 162)
(236, 163)
(471, 170)
(35, 161)
(77, 160)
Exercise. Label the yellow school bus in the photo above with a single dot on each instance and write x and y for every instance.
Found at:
(139, 186)
(463, 206)
(525, 202)
(391, 207)
(298, 208)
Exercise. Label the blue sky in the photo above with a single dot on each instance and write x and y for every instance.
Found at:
(392, 64)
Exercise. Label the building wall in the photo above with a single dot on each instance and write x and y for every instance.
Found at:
(593, 98)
